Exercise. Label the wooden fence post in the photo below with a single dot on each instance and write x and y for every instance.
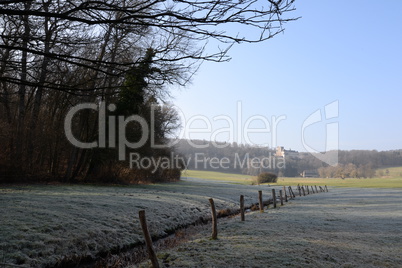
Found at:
(148, 240)
(292, 194)
(298, 186)
(286, 195)
(274, 197)
(281, 196)
(242, 218)
(304, 193)
(214, 221)
(260, 201)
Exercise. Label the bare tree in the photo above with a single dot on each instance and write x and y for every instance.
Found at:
(57, 53)
(177, 27)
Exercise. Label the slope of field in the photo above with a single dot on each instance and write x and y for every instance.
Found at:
(345, 227)
(393, 180)
(42, 224)
(392, 172)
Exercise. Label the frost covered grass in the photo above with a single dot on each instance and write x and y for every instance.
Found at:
(393, 180)
(44, 224)
(41, 225)
(345, 227)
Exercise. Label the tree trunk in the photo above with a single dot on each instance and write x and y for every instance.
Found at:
(18, 160)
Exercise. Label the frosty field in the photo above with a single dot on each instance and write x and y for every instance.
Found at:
(346, 227)
(42, 224)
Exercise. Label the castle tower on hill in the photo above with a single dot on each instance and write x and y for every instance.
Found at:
(281, 152)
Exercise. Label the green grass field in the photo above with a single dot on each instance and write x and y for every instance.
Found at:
(391, 179)
(220, 176)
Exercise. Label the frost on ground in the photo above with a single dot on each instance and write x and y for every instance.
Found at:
(43, 224)
(343, 228)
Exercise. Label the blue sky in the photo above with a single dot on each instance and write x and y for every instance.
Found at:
(344, 53)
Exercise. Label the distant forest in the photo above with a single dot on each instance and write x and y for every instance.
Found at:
(252, 160)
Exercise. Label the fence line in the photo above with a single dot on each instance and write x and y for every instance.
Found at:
(214, 236)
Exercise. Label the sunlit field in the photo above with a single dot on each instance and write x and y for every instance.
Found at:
(220, 176)
(391, 179)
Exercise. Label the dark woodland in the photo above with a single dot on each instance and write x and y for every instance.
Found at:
(56, 54)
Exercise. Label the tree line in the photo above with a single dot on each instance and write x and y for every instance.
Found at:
(57, 54)
(247, 159)
(348, 171)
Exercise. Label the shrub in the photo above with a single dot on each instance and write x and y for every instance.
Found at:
(265, 177)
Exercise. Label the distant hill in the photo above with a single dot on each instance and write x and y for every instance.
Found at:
(251, 160)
